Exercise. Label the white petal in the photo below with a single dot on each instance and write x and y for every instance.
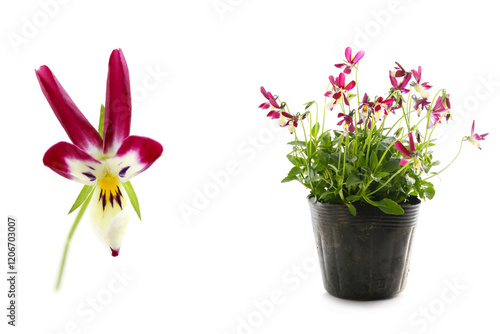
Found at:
(109, 218)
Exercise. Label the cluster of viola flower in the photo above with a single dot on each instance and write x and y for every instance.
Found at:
(371, 111)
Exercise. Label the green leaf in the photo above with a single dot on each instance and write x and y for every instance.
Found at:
(390, 166)
(313, 199)
(314, 130)
(389, 206)
(298, 143)
(352, 198)
(101, 121)
(288, 179)
(133, 197)
(294, 171)
(297, 161)
(84, 194)
(373, 161)
(429, 192)
(353, 180)
(381, 175)
(351, 208)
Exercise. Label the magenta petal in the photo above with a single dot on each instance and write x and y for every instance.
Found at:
(265, 105)
(357, 57)
(351, 128)
(348, 53)
(341, 80)
(332, 80)
(401, 148)
(403, 162)
(272, 100)
(347, 70)
(346, 101)
(412, 143)
(350, 85)
(118, 107)
(72, 162)
(394, 81)
(329, 94)
(339, 65)
(78, 128)
(405, 80)
(473, 124)
(135, 156)
(263, 91)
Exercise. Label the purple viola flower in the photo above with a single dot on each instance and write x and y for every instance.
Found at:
(420, 87)
(408, 155)
(347, 121)
(365, 109)
(350, 61)
(474, 138)
(340, 89)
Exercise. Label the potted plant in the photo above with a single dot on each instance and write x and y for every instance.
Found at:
(367, 174)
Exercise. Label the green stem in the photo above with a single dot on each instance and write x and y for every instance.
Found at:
(70, 235)
(456, 156)
(389, 180)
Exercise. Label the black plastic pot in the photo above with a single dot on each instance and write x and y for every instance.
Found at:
(365, 257)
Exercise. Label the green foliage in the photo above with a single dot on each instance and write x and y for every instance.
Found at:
(133, 197)
(84, 194)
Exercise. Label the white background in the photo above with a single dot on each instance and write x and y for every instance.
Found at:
(205, 273)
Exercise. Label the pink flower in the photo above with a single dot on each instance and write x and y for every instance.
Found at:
(350, 61)
(408, 156)
(347, 121)
(442, 106)
(102, 162)
(275, 108)
(420, 87)
(474, 138)
(420, 104)
(380, 105)
(402, 85)
(340, 90)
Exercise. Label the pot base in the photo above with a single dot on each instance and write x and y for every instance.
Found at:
(364, 257)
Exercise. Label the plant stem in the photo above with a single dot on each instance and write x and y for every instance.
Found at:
(399, 171)
(70, 235)
(455, 158)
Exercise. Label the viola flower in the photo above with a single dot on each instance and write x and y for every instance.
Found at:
(399, 72)
(102, 162)
(275, 108)
(442, 106)
(420, 87)
(350, 61)
(408, 156)
(292, 122)
(380, 105)
(420, 104)
(347, 121)
(474, 138)
(402, 85)
(340, 90)
(365, 109)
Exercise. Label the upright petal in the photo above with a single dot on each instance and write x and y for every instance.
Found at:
(412, 143)
(135, 156)
(78, 128)
(110, 213)
(348, 52)
(401, 148)
(118, 104)
(358, 57)
(73, 163)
